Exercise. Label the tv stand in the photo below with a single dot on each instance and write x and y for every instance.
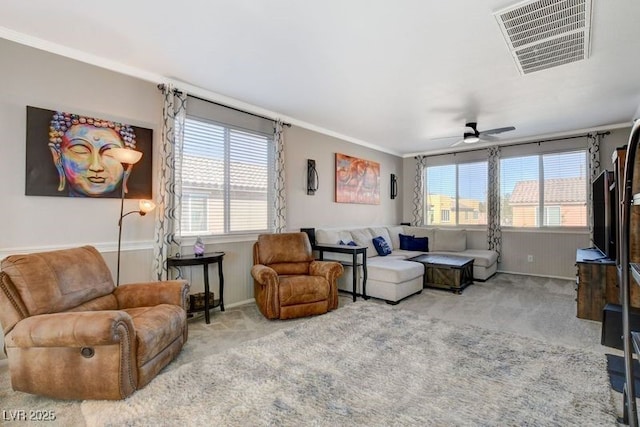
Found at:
(597, 283)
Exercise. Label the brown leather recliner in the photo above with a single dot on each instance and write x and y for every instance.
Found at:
(288, 282)
(70, 333)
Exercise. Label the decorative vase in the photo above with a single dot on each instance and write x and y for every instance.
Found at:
(198, 248)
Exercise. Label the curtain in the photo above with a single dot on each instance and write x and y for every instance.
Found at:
(279, 199)
(494, 231)
(418, 192)
(593, 149)
(167, 228)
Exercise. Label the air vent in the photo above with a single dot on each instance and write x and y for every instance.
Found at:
(546, 33)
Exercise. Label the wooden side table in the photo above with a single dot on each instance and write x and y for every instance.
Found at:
(204, 260)
(354, 251)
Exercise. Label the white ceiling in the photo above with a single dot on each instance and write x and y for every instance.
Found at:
(394, 75)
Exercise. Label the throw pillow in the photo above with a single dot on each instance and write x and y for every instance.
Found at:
(404, 241)
(351, 243)
(419, 244)
(381, 245)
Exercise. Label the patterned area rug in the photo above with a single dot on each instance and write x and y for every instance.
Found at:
(369, 364)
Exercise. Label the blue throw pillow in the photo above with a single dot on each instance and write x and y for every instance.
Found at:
(351, 243)
(419, 244)
(404, 241)
(381, 245)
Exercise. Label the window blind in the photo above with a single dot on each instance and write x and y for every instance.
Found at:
(544, 190)
(227, 177)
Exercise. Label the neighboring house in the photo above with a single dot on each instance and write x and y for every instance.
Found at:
(203, 194)
(564, 203)
(442, 210)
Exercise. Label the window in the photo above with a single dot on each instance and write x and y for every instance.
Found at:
(458, 192)
(548, 186)
(227, 177)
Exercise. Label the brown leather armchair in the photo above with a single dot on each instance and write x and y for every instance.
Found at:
(71, 334)
(288, 282)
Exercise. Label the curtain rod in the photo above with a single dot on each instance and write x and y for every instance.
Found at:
(523, 143)
(162, 86)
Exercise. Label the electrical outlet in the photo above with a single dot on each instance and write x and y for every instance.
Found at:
(530, 258)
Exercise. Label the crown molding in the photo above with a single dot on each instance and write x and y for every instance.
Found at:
(156, 78)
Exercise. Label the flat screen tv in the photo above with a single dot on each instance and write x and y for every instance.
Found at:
(604, 214)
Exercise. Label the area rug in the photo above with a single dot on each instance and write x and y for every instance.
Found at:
(373, 365)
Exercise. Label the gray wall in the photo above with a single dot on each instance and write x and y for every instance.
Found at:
(321, 210)
(33, 77)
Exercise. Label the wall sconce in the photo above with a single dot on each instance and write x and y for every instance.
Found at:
(128, 158)
(312, 177)
(394, 186)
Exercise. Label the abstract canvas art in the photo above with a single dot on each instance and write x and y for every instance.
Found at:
(68, 155)
(357, 180)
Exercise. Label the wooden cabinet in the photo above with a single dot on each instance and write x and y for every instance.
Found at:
(597, 284)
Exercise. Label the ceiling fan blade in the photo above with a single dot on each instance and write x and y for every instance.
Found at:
(488, 138)
(497, 130)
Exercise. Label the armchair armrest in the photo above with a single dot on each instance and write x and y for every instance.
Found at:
(74, 329)
(149, 294)
(264, 275)
(330, 270)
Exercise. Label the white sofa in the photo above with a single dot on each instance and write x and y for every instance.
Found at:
(390, 277)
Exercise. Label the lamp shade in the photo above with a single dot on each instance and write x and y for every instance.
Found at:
(146, 206)
(125, 155)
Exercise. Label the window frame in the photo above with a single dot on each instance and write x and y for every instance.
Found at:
(455, 211)
(540, 211)
(227, 234)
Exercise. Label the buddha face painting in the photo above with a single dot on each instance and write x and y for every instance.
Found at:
(81, 148)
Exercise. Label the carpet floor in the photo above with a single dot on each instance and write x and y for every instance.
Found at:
(527, 306)
(369, 364)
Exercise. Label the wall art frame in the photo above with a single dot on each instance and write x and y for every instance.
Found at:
(357, 180)
(67, 155)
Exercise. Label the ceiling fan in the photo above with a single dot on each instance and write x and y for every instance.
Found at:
(472, 135)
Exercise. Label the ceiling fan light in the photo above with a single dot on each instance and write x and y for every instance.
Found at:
(470, 138)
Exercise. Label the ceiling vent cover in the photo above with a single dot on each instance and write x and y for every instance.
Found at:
(546, 33)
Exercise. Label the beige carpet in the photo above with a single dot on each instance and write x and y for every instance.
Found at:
(527, 306)
(368, 364)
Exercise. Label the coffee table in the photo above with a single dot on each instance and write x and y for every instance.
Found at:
(450, 272)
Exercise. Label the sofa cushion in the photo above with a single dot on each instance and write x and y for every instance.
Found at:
(420, 231)
(363, 237)
(294, 290)
(381, 245)
(382, 232)
(66, 278)
(449, 240)
(393, 270)
(481, 257)
(405, 241)
(394, 235)
(156, 327)
(332, 237)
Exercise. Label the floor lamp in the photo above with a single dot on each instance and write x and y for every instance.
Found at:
(128, 158)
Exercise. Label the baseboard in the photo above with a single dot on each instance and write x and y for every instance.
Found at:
(239, 303)
(537, 275)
